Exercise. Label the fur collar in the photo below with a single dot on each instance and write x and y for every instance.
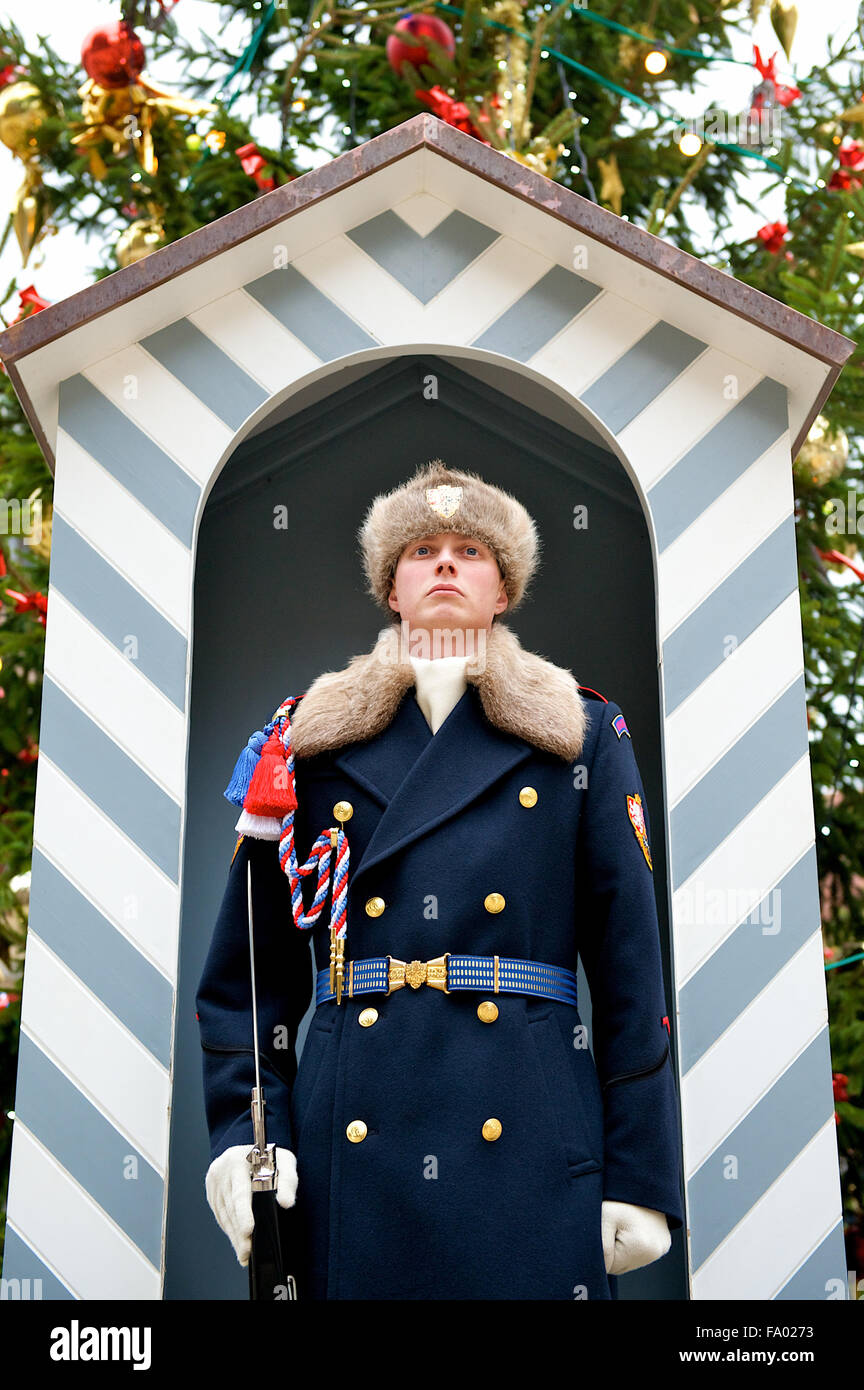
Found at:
(521, 694)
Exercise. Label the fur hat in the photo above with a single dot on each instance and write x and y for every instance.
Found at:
(439, 498)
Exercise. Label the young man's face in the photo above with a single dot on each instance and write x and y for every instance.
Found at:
(473, 590)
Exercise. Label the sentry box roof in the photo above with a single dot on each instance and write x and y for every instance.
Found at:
(478, 218)
(692, 393)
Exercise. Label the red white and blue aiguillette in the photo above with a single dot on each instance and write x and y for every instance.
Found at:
(263, 785)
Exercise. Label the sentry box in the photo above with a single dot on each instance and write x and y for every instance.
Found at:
(218, 415)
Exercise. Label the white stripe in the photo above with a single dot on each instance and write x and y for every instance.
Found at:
(682, 414)
(106, 867)
(40, 1254)
(592, 342)
(709, 722)
(724, 535)
(422, 212)
(71, 1232)
(749, 862)
(484, 291)
(757, 1048)
(362, 289)
(461, 311)
(100, 1056)
(116, 695)
(779, 1231)
(255, 340)
(135, 542)
(163, 408)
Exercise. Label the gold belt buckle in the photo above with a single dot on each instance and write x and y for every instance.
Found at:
(417, 972)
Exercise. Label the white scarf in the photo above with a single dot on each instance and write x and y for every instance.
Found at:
(440, 684)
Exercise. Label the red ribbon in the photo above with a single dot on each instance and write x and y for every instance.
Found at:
(24, 602)
(252, 160)
(452, 112)
(782, 94)
(772, 235)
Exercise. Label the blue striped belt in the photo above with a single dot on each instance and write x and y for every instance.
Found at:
(492, 974)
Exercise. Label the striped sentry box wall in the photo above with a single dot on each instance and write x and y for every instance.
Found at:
(432, 242)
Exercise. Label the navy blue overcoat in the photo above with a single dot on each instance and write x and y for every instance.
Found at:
(425, 1207)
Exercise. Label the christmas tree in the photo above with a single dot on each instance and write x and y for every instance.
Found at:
(587, 97)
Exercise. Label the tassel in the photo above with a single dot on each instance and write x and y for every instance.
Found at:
(259, 827)
(271, 790)
(245, 767)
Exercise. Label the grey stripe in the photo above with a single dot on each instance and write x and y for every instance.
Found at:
(118, 610)
(423, 264)
(734, 609)
(645, 370)
(764, 1143)
(20, 1262)
(540, 313)
(718, 460)
(313, 318)
(117, 785)
(748, 960)
(729, 791)
(130, 456)
(206, 371)
(88, 1146)
(102, 957)
(823, 1273)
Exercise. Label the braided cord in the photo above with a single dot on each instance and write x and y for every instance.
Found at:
(319, 856)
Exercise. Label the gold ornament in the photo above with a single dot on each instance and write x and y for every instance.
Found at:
(853, 113)
(855, 248)
(510, 52)
(631, 53)
(611, 187)
(139, 239)
(125, 116)
(22, 112)
(823, 455)
(542, 161)
(784, 21)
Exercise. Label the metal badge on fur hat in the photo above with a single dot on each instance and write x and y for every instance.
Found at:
(438, 498)
(444, 500)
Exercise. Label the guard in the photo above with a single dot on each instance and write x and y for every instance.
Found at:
(446, 822)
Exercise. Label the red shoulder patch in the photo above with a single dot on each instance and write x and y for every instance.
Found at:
(586, 689)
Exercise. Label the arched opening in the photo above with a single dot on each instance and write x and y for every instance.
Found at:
(280, 597)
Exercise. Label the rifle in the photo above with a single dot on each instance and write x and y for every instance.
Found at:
(267, 1272)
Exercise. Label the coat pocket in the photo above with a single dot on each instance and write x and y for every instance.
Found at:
(309, 1070)
(566, 1103)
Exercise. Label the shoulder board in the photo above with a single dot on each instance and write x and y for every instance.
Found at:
(593, 694)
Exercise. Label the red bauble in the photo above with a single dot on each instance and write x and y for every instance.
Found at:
(113, 55)
(418, 27)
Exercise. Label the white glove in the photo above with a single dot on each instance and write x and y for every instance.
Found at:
(632, 1236)
(229, 1191)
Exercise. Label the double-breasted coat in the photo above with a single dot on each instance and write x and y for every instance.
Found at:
(478, 840)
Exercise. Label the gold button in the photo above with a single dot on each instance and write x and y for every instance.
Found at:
(492, 1130)
(487, 1012)
(343, 810)
(493, 902)
(356, 1131)
(367, 1017)
(528, 796)
(374, 907)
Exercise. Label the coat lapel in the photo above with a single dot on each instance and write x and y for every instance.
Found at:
(381, 763)
(425, 782)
